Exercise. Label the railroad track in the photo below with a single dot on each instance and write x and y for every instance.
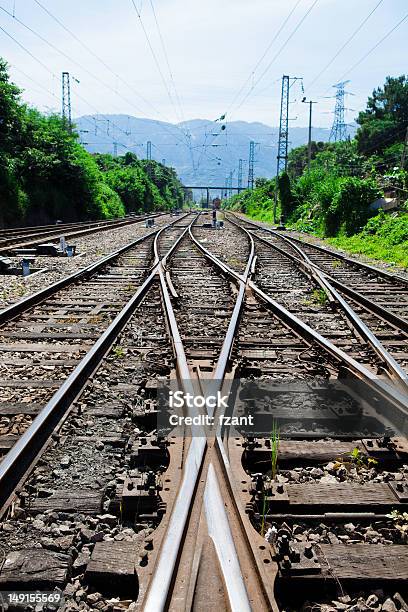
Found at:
(204, 519)
(19, 238)
(335, 309)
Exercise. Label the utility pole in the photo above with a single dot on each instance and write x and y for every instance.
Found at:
(163, 162)
(230, 184)
(251, 164)
(339, 128)
(66, 100)
(115, 149)
(149, 157)
(239, 175)
(282, 157)
(309, 142)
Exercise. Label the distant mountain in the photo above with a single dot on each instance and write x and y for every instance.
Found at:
(215, 151)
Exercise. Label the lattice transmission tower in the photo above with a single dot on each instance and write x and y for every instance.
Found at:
(339, 127)
(282, 156)
(66, 100)
(239, 185)
(251, 164)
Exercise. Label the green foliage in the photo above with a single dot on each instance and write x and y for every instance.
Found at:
(384, 237)
(385, 119)
(142, 185)
(257, 202)
(318, 297)
(45, 173)
(285, 196)
(349, 209)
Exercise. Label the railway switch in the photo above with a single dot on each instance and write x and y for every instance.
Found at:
(140, 497)
(54, 250)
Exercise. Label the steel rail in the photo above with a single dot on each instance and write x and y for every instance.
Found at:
(394, 370)
(369, 268)
(349, 260)
(158, 593)
(157, 596)
(358, 297)
(9, 313)
(28, 447)
(7, 237)
(32, 228)
(397, 399)
(54, 236)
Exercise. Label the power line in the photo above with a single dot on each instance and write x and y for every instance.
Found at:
(27, 51)
(282, 47)
(163, 46)
(156, 61)
(47, 42)
(53, 74)
(373, 48)
(95, 55)
(76, 63)
(264, 54)
(48, 91)
(353, 35)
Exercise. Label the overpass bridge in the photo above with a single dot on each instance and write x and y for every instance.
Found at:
(208, 188)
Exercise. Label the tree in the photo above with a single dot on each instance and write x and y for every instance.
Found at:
(385, 120)
(46, 174)
(285, 196)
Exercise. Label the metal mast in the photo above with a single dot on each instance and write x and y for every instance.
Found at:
(239, 175)
(339, 128)
(66, 100)
(282, 157)
(149, 157)
(251, 165)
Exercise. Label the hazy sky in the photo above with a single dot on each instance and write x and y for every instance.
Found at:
(213, 50)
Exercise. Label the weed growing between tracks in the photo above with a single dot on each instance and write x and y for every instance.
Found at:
(274, 439)
(317, 297)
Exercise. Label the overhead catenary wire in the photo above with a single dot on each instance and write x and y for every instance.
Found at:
(354, 66)
(55, 48)
(264, 54)
(178, 99)
(166, 57)
(41, 63)
(277, 54)
(344, 45)
(96, 56)
(155, 59)
(282, 47)
(186, 131)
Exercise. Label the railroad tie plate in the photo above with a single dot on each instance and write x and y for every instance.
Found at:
(400, 489)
